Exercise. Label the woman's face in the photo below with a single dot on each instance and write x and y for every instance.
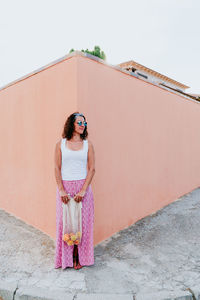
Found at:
(79, 128)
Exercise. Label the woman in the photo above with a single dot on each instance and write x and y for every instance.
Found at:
(74, 170)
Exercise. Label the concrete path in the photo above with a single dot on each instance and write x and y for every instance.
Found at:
(157, 258)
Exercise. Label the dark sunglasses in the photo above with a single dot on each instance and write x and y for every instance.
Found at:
(80, 123)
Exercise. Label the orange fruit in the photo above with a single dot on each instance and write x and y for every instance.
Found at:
(70, 243)
(67, 236)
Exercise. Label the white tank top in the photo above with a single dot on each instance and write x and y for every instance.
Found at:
(74, 162)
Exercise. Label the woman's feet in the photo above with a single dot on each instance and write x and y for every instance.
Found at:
(77, 265)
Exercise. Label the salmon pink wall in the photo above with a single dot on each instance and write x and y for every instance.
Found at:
(145, 140)
(33, 112)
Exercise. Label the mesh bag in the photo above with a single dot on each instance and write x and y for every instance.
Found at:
(72, 222)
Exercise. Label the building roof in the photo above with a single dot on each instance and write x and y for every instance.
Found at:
(180, 92)
(195, 95)
(136, 65)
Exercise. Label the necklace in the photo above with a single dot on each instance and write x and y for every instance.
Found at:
(75, 141)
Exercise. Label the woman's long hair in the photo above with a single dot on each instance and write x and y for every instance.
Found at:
(69, 127)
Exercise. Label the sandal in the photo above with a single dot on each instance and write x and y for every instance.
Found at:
(78, 266)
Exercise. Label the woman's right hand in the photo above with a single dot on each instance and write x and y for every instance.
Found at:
(64, 197)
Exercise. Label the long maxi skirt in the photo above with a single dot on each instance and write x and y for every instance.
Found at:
(63, 252)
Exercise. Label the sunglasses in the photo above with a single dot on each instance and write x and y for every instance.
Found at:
(80, 123)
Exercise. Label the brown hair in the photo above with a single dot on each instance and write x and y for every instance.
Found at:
(69, 127)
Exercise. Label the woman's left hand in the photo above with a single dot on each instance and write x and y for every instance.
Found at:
(79, 196)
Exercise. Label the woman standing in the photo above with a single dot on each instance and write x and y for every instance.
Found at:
(74, 170)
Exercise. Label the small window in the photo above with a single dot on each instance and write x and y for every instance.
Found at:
(145, 76)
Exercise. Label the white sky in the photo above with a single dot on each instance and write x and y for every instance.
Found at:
(163, 35)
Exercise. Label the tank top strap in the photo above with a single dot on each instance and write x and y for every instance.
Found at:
(62, 143)
(86, 144)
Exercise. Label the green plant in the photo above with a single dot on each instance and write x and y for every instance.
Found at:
(97, 52)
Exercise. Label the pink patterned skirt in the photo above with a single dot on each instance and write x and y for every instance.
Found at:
(63, 252)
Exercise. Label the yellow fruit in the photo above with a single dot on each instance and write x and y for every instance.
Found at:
(73, 237)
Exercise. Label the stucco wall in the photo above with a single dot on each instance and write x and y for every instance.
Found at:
(145, 139)
(147, 145)
(33, 112)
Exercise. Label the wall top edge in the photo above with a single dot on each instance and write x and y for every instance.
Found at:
(51, 64)
(93, 57)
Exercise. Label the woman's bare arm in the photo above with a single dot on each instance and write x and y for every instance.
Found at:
(91, 166)
(58, 161)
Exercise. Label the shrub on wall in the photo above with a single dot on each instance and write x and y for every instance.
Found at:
(97, 52)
